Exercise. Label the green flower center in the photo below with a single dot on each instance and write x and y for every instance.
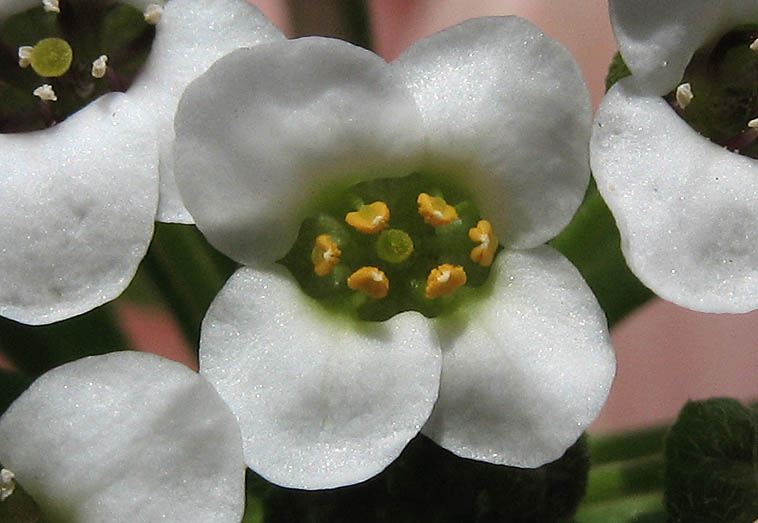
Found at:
(390, 245)
(718, 95)
(56, 62)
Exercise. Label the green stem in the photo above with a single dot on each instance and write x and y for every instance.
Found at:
(645, 507)
(624, 478)
(187, 272)
(627, 445)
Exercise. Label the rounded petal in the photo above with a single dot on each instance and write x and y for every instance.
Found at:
(78, 204)
(657, 39)
(126, 436)
(506, 109)
(190, 36)
(527, 369)
(268, 130)
(321, 402)
(687, 209)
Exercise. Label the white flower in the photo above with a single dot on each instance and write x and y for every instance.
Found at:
(79, 199)
(126, 436)
(686, 208)
(325, 401)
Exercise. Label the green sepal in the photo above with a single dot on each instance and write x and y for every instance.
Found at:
(711, 471)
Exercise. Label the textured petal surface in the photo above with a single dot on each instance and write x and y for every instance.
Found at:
(506, 109)
(686, 208)
(657, 39)
(527, 369)
(190, 36)
(78, 203)
(127, 436)
(269, 129)
(321, 402)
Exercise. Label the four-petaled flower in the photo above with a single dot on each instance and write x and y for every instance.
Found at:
(323, 400)
(79, 199)
(127, 436)
(686, 207)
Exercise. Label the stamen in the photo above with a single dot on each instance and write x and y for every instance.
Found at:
(51, 6)
(684, 95)
(325, 255)
(754, 45)
(753, 124)
(369, 219)
(25, 55)
(484, 253)
(51, 57)
(100, 66)
(153, 13)
(435, 210)
(369, 280)
(444, 280)
(7, 483)
(45, 92)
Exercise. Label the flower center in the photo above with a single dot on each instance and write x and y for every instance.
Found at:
(718, 95)
(390, 245)
(68, 53)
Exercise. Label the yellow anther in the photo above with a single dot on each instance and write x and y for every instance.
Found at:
(444, 280)
(369, 219)
(153, 13)
(325, 255)
(484, 253)
(371, 281)
(435, 210)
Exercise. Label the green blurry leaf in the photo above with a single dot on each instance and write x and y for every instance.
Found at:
(616, 71)
(592, 242)
(427, 483)
(712, 463)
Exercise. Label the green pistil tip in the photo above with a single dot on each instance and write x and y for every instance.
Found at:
(394, 245)
(51, 57)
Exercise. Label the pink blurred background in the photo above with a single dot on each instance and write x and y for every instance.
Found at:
(666, 354)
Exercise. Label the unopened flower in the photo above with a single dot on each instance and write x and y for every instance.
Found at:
(281, 146)
(125, 436)
(673, 150)
(79, 198)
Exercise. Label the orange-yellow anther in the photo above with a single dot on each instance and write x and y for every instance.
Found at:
(484, 253)
(444, 280)
(435, 210)
(325, 255)
(369, 280)
(369, 219)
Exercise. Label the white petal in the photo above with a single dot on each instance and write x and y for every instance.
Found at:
(77, 207)
(658, 38)
(526, 370)
(506, 109)
(125, 436)
(267, 130)
(687, 209)
(190, 36)
(322, 401)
